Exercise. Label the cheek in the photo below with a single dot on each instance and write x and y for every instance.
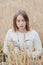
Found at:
(17, 24)
(24, 23)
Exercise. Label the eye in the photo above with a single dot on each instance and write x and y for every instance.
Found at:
(23, 20)
(18, 20)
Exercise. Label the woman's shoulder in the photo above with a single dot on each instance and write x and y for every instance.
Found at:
(32, 31)
(9, 31)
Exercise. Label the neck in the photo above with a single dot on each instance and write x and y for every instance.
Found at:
(22, 31)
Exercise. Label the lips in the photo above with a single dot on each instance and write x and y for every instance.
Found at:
(21, 26)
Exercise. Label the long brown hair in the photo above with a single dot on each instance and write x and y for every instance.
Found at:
(25, 16)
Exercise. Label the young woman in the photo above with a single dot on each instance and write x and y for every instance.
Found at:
(22, 32)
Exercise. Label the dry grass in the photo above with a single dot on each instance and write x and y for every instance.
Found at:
(15, 58)
(20, 57)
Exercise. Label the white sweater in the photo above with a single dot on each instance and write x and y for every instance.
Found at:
(32, 38)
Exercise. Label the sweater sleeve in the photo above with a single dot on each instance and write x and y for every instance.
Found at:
(37, 46)
(7, 38)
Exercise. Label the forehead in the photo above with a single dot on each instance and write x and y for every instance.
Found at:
(20, 17)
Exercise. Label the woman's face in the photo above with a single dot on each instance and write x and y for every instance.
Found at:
(21, 23)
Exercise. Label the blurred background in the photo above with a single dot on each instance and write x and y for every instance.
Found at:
(34, 9)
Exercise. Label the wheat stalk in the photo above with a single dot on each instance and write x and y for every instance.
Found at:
(11, 54)
(17, 58)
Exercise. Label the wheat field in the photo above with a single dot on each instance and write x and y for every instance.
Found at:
(21, 57)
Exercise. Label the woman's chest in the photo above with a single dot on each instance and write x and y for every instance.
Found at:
(21, 39)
